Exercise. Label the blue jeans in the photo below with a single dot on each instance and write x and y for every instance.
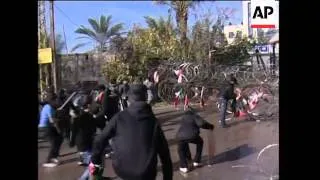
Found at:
(86, 158)
(223, 110)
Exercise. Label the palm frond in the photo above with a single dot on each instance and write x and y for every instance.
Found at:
(95, 25)
(84, 37)
(105, 23)
(79, 46)
(152, 23)
(114, 30)
(86, 31)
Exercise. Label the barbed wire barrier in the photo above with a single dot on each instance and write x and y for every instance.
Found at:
(196, 76)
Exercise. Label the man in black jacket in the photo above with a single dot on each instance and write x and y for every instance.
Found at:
(83, 131)
(123, 91)
(137, 139)
(226, 94)
(63, 114)
(189, 132)
(110, 105)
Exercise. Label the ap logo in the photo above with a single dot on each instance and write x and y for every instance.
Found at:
(264, 13)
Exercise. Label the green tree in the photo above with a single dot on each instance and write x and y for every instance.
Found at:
(163, 37)
(101, 31)
(181, 9)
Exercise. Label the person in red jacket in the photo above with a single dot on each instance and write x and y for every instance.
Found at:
(101, 90)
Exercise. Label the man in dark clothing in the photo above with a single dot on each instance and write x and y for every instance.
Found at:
(83, 131)
(226, 94)
(189, 132)
(110, 105)
(123, 91)
(137, 139)
(63, 114)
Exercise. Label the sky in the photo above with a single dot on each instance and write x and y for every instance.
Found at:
(69, 15)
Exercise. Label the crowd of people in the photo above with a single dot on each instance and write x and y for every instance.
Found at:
(118, 122)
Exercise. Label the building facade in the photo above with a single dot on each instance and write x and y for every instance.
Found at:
(233, 31)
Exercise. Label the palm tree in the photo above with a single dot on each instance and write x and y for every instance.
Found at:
(101, 31)
(181, 9)
(60, 44)
(163, 27)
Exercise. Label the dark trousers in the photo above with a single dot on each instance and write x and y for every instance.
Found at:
(65, 126)
(184, 152)
(124, 102)
(55, 140)
(223, 109)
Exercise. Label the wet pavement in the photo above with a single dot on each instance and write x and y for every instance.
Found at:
(236, 150)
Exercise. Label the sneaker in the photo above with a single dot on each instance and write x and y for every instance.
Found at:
(49, 165)
(108, 155)
(183, 170)
(55, 160)
(195, 164)
(81, 163)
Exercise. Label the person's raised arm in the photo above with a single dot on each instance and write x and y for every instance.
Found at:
(102, 139)
(201, 123)
(164, 154)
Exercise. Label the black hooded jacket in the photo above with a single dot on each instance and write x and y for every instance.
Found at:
(227, 91)
(137, 139)
(123, 90)
(190, 126)
(110, 105)
(83, 131)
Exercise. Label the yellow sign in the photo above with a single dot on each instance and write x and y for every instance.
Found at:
(44, 56)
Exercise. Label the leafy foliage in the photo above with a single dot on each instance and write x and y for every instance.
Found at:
(181, 9)
(236, 53)
(116, 70)
(162, 40)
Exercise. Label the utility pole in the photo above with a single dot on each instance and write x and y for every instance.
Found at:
(42, 34)
(54, 63)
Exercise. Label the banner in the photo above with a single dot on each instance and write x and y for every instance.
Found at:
(44, 56)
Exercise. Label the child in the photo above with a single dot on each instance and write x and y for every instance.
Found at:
(189, 132)
(83, 131)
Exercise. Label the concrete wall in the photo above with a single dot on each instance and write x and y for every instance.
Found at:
(82, 67)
